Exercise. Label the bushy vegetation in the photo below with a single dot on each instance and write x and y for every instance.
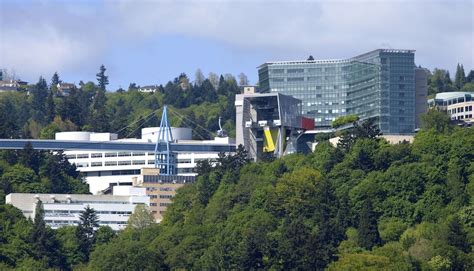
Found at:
(371, 206)
(43, 111)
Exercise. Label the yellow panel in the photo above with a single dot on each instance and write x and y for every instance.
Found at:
(269, 139)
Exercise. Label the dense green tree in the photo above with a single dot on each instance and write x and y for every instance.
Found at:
(86, 232)
(50, 107)
(30, 157)
(367, 229)
(46, 247)
(39, 98)
(437, 120)
(460, 77)
(102, 79)
(470, 77)
(99, 119)
(141, 218)
(104, 235)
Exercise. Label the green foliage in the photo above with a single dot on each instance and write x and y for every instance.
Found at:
(344, 120)
(141, 218)
(86, 232)
(437, 120)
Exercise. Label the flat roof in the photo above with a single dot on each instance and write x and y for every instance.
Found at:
(452, 95)
(16, 144)
(331, 61)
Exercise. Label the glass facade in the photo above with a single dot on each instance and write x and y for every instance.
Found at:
(378, 84)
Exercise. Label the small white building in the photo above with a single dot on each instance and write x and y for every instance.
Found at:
(148, 89)
(64, 209)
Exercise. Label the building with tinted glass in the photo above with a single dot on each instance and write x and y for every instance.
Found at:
(380, 83)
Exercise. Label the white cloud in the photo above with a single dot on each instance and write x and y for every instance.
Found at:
(42, 37)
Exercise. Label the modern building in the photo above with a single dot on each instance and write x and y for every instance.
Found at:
(160, 188)
(458, 105)
(382, 83)
(269, 123)
(63, 209)
(106, 166)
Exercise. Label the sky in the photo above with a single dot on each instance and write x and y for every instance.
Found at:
(151, 42)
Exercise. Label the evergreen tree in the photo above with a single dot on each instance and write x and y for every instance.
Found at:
(460, 77)
(86, 231)
(99, 117)
(54, 82)
(368, 229)
(470, 77)
(50, 107)
(9, 127)
(39, 96)
(30, 157)
(102, 79)
(456, 236)
(47, 248)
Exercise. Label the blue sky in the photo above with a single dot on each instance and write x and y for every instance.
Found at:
(151, 42)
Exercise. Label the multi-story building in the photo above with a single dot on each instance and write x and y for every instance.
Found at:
(269, 123)
(103, 168)
(380, 84)
(160, 188)
(458, 105)
(63, 209)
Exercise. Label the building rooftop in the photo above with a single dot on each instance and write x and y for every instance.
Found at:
(332, 61)
(452, 95)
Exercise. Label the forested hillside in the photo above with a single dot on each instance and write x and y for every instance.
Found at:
(42, 111)
(363, 205)
(368, 206)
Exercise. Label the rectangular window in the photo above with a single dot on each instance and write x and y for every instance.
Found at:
(295, 79)
(295, 71)
(138, 162)
(123, 154)
(277, 71)
(82, 156)
(401, 86)
(124, 163)
(151, 162)
(71, 156)
(110, 163)
(138, 154)
(96, 164)
(96, 155)
(110, 154)
(166, 196)
(278, 80)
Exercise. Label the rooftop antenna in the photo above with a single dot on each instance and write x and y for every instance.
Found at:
(164, 158)
(221, 132)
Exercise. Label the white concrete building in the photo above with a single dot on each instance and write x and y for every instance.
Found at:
(102, 168)
(63, 209)
(458, 105)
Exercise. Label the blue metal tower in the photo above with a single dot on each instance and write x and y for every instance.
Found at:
(164, 157)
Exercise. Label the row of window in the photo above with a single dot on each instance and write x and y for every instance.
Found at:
(460, 109)
(469, 116)
(107, 154)
(126, 163)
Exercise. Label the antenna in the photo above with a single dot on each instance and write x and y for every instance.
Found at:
(164, 158)
(221, 132)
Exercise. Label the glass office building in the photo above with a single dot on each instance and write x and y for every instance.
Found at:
(380, 84)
